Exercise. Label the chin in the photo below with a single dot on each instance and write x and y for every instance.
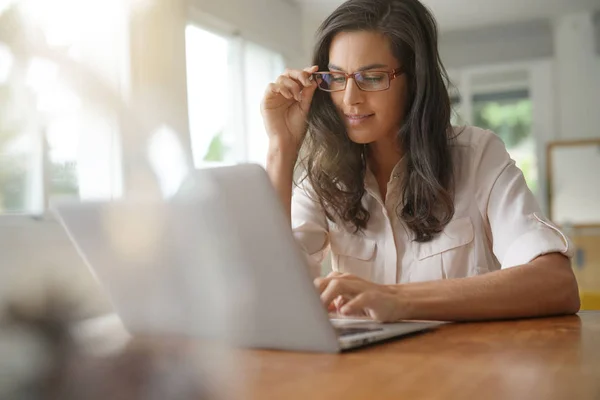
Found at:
(360, 141)
(360, 138)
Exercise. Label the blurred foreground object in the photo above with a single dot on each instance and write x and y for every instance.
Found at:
(42, 356)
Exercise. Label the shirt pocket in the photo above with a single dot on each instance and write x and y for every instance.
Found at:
(449, 255)
(353, 254)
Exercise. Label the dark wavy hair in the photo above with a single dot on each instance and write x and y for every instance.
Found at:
(335, 166)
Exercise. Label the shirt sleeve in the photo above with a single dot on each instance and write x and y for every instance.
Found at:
(519, 231)
(309, 226)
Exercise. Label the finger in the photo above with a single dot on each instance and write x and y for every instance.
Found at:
(308, 85)
(337, 287)
(339, 302)
(307, 95)
(359, 303)
(273, 89)
(302, 76)
(336, 304)
(292, 85)
(283, 90)
(312, 69)
(295, 88)
(321, 283)
(332, 307)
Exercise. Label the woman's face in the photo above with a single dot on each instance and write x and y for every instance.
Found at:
(368, 116)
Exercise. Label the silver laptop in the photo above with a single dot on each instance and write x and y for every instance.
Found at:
(217, 260)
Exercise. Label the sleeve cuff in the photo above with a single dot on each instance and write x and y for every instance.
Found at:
(535, 243)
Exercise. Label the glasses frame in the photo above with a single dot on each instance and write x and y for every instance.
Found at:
(391, 75)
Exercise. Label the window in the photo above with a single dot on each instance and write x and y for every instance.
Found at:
(209, 86)
(509, 114)
(224, 97)
(58, 137)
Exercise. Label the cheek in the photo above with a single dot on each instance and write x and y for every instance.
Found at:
(386, 105)
(391, 108)
(338, 99)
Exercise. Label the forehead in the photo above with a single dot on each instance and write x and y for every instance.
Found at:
(352, 50)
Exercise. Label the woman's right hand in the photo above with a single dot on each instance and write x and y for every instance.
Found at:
(285, 107)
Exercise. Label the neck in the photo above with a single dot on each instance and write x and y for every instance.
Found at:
(383, 157)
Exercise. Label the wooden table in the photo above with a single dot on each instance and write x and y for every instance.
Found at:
(550, 358)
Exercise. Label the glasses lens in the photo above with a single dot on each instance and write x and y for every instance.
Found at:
(331, 81)
(372, 81)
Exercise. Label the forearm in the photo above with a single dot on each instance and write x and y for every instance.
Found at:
(280, 168)
(546, 286)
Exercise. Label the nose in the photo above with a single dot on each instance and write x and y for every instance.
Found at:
(352, 94)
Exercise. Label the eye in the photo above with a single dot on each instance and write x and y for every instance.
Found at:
(372, 78)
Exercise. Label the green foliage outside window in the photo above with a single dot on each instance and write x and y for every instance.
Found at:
(216, 149)
(512, 121)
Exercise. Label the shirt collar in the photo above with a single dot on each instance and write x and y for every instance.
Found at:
(398, 172)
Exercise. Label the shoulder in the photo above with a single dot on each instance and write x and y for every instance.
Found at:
(474, 138)
(479, 157)
(475, 148)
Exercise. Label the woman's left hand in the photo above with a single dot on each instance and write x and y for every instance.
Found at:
(351, 295)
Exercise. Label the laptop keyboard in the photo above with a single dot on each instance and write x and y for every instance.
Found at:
(346, 330)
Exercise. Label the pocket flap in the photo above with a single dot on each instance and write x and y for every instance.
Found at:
(458, 232)
(354, 246)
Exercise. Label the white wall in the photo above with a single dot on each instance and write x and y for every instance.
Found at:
(575, 200)
(274, 24)
(497, 44)
(483, 46)
(577, 77)
(309, 29)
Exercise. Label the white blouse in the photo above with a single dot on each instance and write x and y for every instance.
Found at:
(497, 223)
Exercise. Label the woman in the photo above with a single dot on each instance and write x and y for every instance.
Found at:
(423, 220)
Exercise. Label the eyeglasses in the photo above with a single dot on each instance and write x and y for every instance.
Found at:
(369, 81)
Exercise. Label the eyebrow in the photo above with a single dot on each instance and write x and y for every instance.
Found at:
(365, 68)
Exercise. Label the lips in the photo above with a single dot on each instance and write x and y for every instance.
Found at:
(355, 119)
(358, 116)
